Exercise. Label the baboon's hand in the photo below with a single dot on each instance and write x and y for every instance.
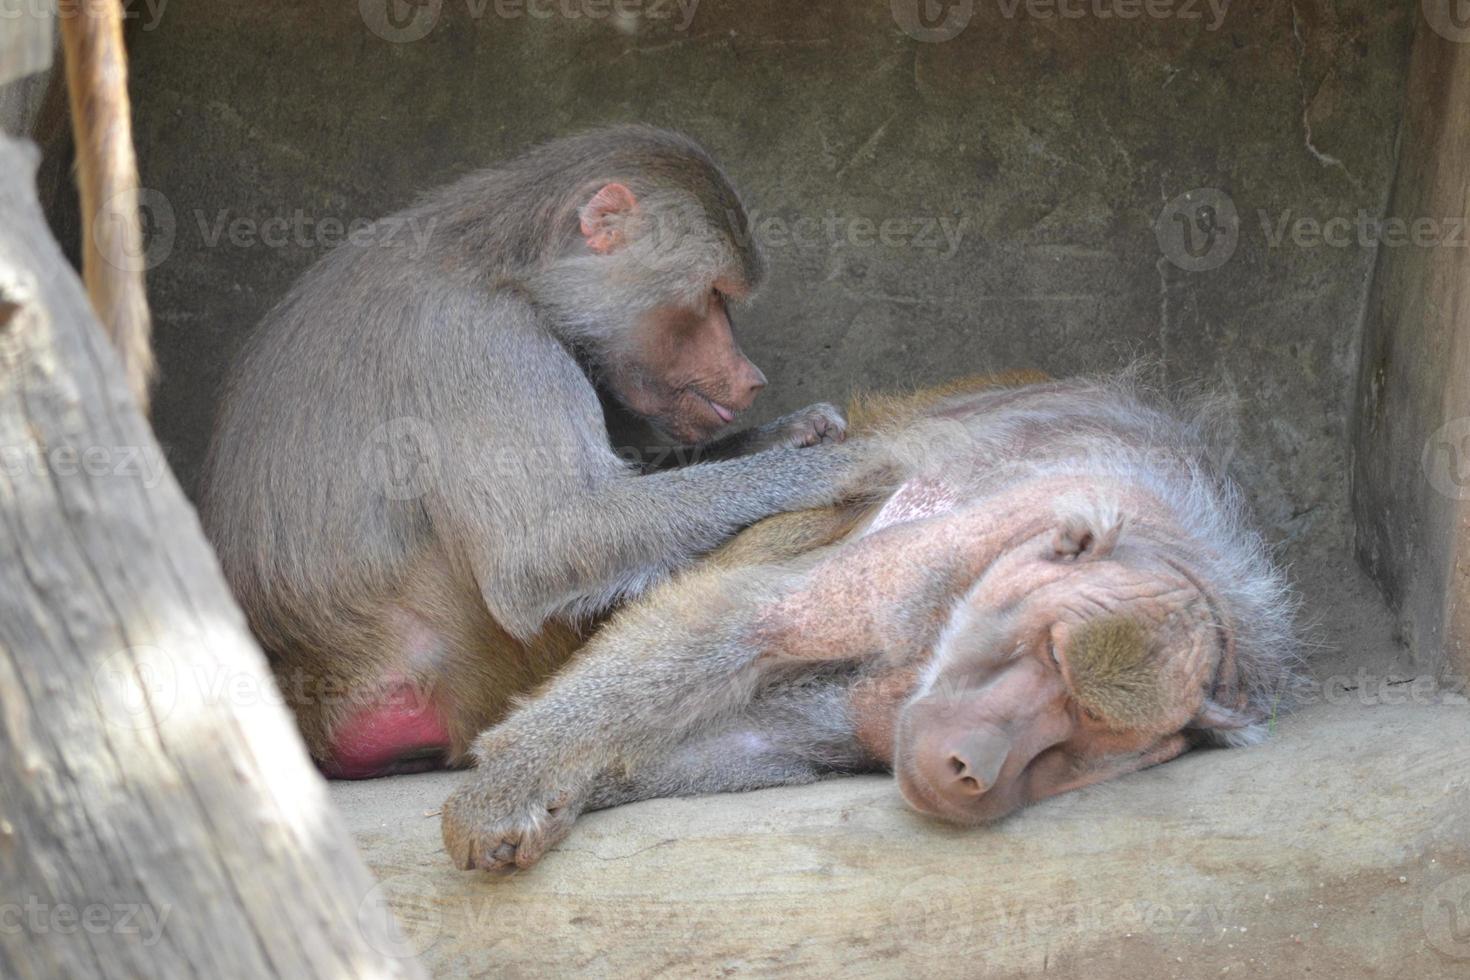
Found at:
(503, 818)
(809, 426)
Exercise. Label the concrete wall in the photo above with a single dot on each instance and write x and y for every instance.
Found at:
(1411, 474)
(1052, 145)
(25, 51)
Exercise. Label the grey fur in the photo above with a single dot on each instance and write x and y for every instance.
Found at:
(482, 344)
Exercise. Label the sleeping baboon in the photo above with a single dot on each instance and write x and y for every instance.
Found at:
(411, 486)
(1061, 589)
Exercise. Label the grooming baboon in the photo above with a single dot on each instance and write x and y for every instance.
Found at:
(1061, 590)
(107, 179)
(411, 486)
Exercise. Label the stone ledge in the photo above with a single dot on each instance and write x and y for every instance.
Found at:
(1342, 847)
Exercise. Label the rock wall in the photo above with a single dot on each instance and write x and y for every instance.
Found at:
(1004, 187)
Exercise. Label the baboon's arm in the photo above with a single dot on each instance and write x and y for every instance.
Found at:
(686, 656)
(572, 529)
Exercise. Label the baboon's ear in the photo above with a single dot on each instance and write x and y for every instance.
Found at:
(1227, 726)
(1088, 533)
(603, 215)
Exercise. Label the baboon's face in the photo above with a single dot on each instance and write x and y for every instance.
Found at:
(678, 364)
(684, 370)
(1055, 673)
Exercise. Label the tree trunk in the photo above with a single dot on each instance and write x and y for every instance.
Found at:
(158, 814)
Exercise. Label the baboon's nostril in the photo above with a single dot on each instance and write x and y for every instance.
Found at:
(974, 761)
(965, 781)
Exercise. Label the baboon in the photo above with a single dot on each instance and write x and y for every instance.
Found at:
(107, 178)
(411, 486)
(1061, 589)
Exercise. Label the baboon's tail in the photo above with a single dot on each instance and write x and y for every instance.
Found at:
(113, 260)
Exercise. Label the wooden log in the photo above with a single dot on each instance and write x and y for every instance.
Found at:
(158, 814)
(1410, 478)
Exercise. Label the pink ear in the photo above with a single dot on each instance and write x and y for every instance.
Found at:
(1226, 726)
(601, 217)
(1212, 714)
(1088, 535)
